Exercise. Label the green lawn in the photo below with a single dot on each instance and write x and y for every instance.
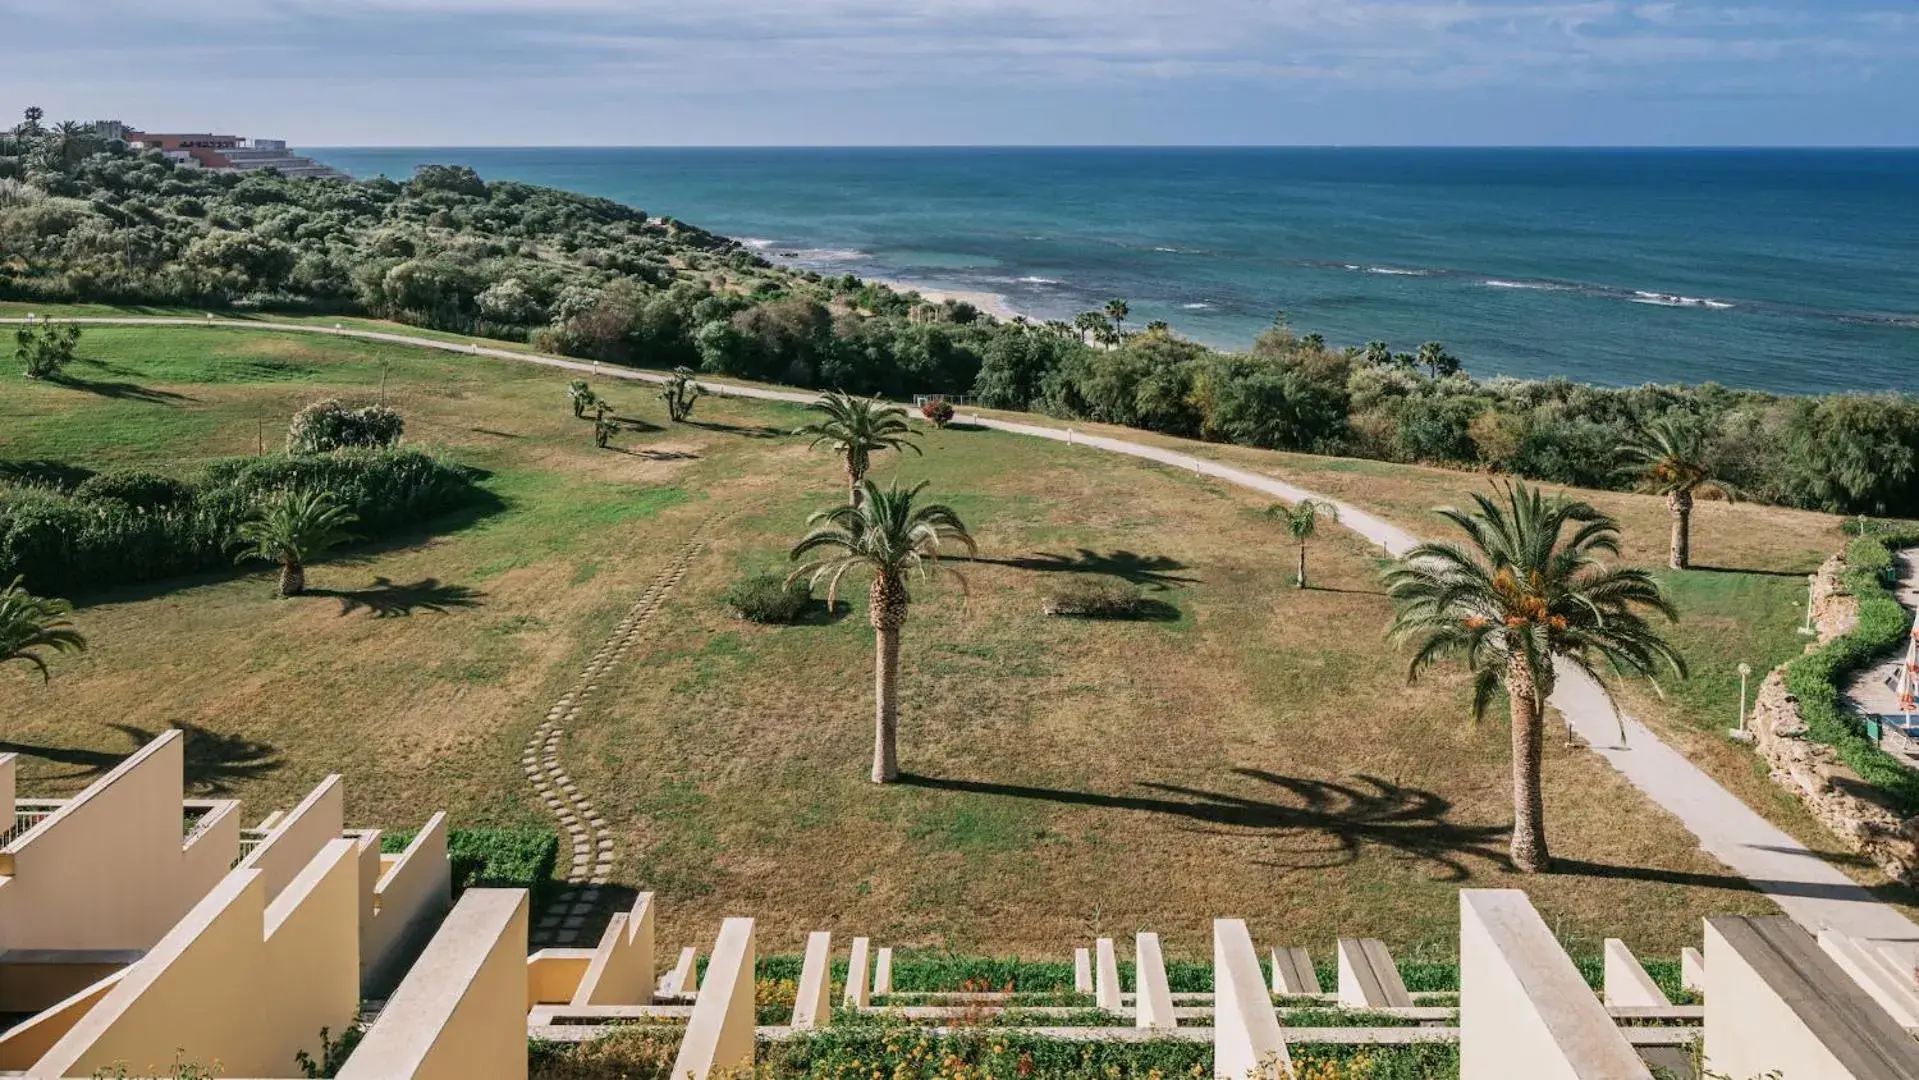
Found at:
(1253, 750)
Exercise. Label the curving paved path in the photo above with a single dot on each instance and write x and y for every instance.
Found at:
(1813, 892)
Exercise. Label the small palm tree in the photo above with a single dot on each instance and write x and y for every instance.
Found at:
(887, 533)
(1301, 521)
(679, 393)
(29, 624)
(1669, 458)
(603, 423)
(858, 428)
(1518, 597)
(1117, 311)
(290, 528)
(581, 396)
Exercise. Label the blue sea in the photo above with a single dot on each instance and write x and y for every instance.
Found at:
(1786, 270)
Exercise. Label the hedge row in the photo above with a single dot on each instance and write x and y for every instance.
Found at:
(123, 527)
(494, 858)
(1815, 679)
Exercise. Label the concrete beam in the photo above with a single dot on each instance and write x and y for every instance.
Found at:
(1692, 970)
(1524, 1009)
(1247, 1042)
(1106, 992)
(1368, 978)
(1898, 995)
(814, 1002)
(1626, 981)
(1775, 1003)
(1082, 971)
(1153, 1001)
(856, 975)
(1293, 972)
(679, 981)
(621, 971)
(883, 972)
(719, 1034)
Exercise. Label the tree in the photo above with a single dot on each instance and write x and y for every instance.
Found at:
(603, 425)
(1301, 521)
(858, 428)
(290, 528)
(30, 624)
(29, 127)
(1436, 360)
(1117, 311)
(581, 396)
(46, 349)
(890, 534)
(1092, 326)
(1669, 458)
(679, 393)
(1377, 353)
(1520, 595)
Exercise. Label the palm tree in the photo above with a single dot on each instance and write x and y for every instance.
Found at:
(679, 393)
(858, 428)
(1669, 458)
(1301, 521)
(883, 531)
(290, 528)
(1518, 598)
(1092, 326)
(1436, 360)
(581, 396)
(1117, 311)
(29, 623)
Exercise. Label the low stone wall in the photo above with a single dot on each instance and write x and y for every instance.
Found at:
(1813, 771)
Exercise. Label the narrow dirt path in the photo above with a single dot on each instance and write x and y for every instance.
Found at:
(1813, 892)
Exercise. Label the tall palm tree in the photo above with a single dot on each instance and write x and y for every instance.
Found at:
(1669, 458)
(29, 623)
(1117, 311)
(858, 428)
(1520, 595)
(1301, 521)
(290, 528)
(887, 533)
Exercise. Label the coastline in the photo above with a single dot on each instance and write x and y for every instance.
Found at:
(991, 303)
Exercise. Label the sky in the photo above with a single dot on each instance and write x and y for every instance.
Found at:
(972, 72)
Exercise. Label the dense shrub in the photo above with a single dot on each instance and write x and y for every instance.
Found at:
(939, 411)
(769, 598)
(328, 424)
(45, 349)
(485, 858)
(1815, 678)
(1092, 596)
(119, 528)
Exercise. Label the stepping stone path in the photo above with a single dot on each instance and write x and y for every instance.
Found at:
(565, 920)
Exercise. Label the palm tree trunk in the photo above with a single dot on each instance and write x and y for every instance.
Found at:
(856, 466)
(1529, 807)
(1301, 580)
(293, 578)
(886, 705)
(1680, 503)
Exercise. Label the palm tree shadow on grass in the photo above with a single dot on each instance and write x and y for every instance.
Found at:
(1150, 571)
(760, 431)
(215, 760)
(119, 390)
(1320, 824)
(387, 599)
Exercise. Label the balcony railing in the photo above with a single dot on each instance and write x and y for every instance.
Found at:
(249, 840)
(26, 814)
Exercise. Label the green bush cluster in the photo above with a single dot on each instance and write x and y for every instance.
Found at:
(490, 858)
(769, 598)
(1815, 678)
(123, 527)
(1091, 596)
(329, 424)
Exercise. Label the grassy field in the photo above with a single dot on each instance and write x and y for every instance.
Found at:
(1253, 750)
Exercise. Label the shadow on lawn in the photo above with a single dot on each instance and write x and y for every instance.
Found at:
(45, 472)
(1155, 571)
(118, 390)
(387, 599)
(215, 760)
(1749, 570)
(749, 431)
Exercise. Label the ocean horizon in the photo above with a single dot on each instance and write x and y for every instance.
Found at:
(1780, 269)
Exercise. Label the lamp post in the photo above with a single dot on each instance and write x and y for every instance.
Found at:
(1740, 733)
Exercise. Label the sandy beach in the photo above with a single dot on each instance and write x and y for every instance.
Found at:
(991, 303)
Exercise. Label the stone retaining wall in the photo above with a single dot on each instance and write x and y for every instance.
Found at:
(1812, 770)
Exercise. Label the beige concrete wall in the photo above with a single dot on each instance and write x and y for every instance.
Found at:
(29, 1041)
(1524, 1010)
(1082, 970)
(410, 893)
(856, 975)
(553, 975)
(460, 1014)
(680, 979)
(35, 979)
(1152, 1000)
(719, 1035)
(1106, 989)
(238, 981)
(109, 870)
(298, 835)
(813, 1003)
(883, 971)
(1246, 1036)
(7, 772)
(1895, 991)
(1625, 980)
(621, 972)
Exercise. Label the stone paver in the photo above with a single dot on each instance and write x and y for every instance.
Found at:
(1809, 889)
